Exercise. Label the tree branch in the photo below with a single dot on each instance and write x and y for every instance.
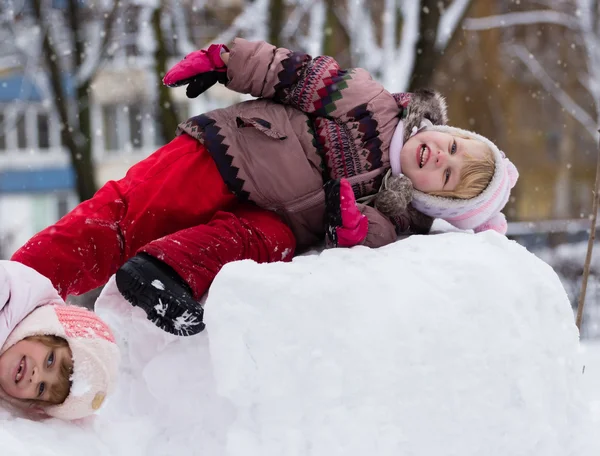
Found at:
(451, 17)
(292, 23)
(241, 22)
(588, 255)
(408, 43)
(553, 88)
(427, 53)
(60, 98)
(89, 68)
(521, 18)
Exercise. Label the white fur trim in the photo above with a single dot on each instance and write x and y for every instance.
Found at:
(396, 147)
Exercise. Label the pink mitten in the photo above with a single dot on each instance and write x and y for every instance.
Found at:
(199, 70)
(347, 226)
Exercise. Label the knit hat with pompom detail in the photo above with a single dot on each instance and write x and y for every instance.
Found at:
(95, 355)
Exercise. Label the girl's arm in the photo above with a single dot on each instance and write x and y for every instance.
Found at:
(383, 231)
(316, 86)
(349, 223)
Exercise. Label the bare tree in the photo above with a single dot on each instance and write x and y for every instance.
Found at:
(397, 41)
(168, 117)
(437, 27)
(276, 20)
(84, 58)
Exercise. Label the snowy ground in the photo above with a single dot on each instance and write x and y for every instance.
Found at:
(453, 344)
(591, 378)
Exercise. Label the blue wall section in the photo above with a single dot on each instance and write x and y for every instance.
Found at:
(38, 180)
(19, 87)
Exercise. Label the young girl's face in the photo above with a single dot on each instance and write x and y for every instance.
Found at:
(29, 369)
(433, 160)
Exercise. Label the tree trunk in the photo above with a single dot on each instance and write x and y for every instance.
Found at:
(167, 117)
(72, 136)
(337, 41)
(427, 55)
(85, 169)
(276, 18)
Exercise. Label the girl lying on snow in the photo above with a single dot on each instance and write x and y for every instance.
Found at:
(257, 180)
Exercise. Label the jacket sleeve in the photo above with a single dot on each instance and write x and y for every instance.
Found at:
(383, 231)
(315, 86)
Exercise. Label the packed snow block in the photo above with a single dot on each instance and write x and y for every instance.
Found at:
(455, 344)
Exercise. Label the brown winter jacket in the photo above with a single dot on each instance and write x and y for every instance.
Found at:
(313, 122)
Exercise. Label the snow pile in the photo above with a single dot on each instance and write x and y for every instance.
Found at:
(453, 344)
(591, 378)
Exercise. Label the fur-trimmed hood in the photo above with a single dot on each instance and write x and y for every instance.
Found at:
(421, 104)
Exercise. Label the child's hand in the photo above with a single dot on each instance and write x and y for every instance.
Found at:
(347, 226)
(199, 70)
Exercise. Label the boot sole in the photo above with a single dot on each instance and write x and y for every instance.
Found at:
(169, 314)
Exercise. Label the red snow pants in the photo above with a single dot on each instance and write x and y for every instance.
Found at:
(174, 206)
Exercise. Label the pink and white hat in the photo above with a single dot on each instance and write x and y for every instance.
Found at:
(95, 355)
(482, 212)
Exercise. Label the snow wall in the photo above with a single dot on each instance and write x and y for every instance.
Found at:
(450, 344)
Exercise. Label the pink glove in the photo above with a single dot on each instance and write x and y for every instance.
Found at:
(199, 70)
(347, 226)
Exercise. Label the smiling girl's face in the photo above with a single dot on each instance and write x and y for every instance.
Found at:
(31, 370)
(434, 160)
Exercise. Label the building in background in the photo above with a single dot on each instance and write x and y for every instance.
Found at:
(36, 177)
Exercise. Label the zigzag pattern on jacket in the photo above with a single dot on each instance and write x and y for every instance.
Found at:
(293, 68)
(319, 84)
(331, 92)
(342, 156)
(304, 83)
(368, 128)
(206, 131)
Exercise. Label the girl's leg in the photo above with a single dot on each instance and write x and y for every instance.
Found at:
(195, 256)
(176, 187)
(84, 248)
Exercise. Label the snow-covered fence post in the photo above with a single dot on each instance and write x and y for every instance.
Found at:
(588, 256)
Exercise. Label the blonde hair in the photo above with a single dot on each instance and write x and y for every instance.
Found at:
(59, 391)
(475, 176)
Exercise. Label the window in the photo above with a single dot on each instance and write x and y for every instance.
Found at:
(123, 126)
(135, 124)
(43, 130)
(62, 204)
(2, 132)
(21, 131)
(25, 127)
(109, 117)
(131, 32)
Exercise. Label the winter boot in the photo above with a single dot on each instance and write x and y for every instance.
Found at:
(154, 286)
